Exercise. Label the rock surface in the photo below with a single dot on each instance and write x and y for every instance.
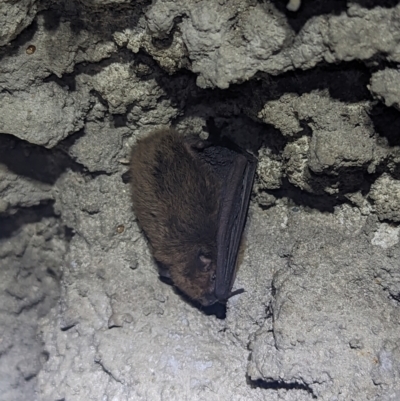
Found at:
(313, 92)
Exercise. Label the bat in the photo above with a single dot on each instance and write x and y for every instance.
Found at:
(191, 198)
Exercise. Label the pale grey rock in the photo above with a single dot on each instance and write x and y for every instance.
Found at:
(194, 125)
(262, 256)
(229, 52)
(342, 137)
(42, 115)
(21, 70)
(283, 114)
(385, 85)
(340, 147)
(105, 144)
(320, 312)
(385, 196)
(223, 42)
(326, 312)
(30, 262)
(171, 58)
(362, 33)
(99, 206)
(164, 338)
(18, 191)
(122, 87)
(269, 171)
(359, 200)
(342, 134)
(293, 5)
(296, 163)
(386, 236)
(15, 16)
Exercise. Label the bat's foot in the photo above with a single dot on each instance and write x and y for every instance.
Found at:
(208, 299)
(236, 292)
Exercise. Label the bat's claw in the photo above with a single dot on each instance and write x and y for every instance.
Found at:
(236, 292)
(208, 299)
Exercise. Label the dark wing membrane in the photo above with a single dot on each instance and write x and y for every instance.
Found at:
(235, 168)
(234, 206)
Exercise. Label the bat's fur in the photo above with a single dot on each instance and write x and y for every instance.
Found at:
(176, 200)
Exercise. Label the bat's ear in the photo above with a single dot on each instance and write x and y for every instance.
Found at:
(163, 270)
(205, 263)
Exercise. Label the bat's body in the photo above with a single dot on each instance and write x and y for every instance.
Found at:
(191, 199)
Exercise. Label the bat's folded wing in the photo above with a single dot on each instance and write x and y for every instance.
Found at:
(235, 168)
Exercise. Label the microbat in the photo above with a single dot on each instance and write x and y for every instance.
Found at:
(191, 199)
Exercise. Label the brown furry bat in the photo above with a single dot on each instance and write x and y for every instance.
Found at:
(183, 204)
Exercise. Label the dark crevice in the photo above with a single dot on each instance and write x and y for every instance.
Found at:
(390, 223)
(9, 224)
(298, 197)
(396, 297)
(100, 98)
(395, 172)
(41, 164)
(68, 327)
(52, 20)
(67, 143)
(120, 120)
(126, 177)
(68, 233)
(218, 310)
(107, 371)
(346, 180)
(98, 19)
(29, 307)
(69, 79)
(66, 81)
(346, 81)
(386, 122)
(247, 133)
(276, 385)
(52, 273)
(97, 173)
(30, 377)
(44, 356)
(34, 161)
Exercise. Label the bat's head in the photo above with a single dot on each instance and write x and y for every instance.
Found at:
(196, 276)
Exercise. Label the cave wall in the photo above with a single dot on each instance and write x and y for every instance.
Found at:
(315, 93)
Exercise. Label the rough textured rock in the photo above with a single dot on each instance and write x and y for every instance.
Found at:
(334, 136)
(30, 262)
(225, 48)
(385, 194)
(43, 115)
(385, 85)
(20, 192)
(312, 89)
(15, 16)
(330, 292)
